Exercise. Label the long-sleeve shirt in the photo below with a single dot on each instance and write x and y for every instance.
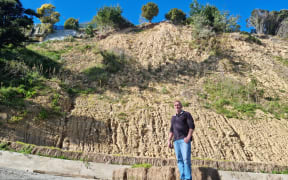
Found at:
(180, 125)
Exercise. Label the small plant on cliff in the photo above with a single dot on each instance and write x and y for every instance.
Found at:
(17, 118)
(253, 39)
(89, 31)
(284, 61)
(122, 116)
(280, 172)
(185, 103)
(164, 90)
(55, 103)
(26, 149)
(234, 99)
(110, 64)
(4, 146)
(42, 115)
(144, 165)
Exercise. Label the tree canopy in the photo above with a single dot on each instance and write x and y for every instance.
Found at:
(211, 17)
(149, 11)
(48, 15)
(13, 20)
(266, 22)
(111, 17)
(71, 23)
(177, 16)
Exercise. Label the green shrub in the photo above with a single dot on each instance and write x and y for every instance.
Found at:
(75, 90)
(210, 17)
(4, 146)
(200, 29)
(69, 39)
(17, 118)
(110, 17)
(39, 61)
(71, 23)
(55, 103)
(247, 108)
(85, 48)
(149, 11)
(232, 99)
(253, 39)
(164, 90)
(185, 104)
(42, 115)
(226, 112)
(177, 16)
(112, 63)
(280, 172)
(14, 91)
(97, 74)
(12, 96)
(89, 31)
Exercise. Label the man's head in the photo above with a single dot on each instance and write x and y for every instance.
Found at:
(178, 106)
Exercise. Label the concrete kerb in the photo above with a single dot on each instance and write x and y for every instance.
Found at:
(126, 160)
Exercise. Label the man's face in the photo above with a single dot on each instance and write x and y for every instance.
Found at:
(178, 106)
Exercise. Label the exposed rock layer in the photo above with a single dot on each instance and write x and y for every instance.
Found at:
(131, 116)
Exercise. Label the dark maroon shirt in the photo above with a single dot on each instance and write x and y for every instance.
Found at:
(180, 125)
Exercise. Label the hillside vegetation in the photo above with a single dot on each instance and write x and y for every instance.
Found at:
(116, 95)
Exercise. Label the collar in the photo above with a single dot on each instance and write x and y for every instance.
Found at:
(180, 113)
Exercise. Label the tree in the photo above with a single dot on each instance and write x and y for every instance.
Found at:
(283, 29)
(149, 11)
(48, 16)
(13, 20)
(177, 16)
(71, 23)
(110, 17)
(210, 17)
(266, 22)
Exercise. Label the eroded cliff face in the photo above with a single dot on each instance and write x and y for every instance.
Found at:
(130, 114)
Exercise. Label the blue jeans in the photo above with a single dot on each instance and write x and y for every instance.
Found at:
(183, 155)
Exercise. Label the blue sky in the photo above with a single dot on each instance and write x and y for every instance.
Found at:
(84, 10)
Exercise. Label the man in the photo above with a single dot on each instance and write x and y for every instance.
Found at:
(182, 126)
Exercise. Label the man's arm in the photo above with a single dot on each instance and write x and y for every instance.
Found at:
(170, 135)
(170, 139)
(191, 126)
(188, 137)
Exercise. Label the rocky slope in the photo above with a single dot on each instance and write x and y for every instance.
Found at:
(128, 112)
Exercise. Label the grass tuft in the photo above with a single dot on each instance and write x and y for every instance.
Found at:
(145, 165)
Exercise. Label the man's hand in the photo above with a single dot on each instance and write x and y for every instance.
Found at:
(170, 145)
(187, 139)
